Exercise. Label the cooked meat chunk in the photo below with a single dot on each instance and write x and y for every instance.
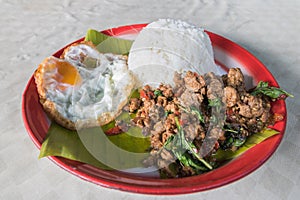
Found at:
(231, 96)
(159, 127)
(156, 113)
(169, 124)
(147, 122)
(166, 90)
(245, 110)
(265, 116)
(256, 105)
(148, 104)
(161, 101)
(134, 104)
(189, 99)
(167, 155)
(156, 142)
(214, 86)
(201, 94)
(193, 82)
(210, 140)
(235, 78)
(172, 107)
(192, 131)
(251, 106)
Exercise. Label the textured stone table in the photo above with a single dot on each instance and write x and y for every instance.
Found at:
(31, 30)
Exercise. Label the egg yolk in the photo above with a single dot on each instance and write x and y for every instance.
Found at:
(66, 73)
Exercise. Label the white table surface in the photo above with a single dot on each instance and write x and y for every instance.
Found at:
(32, 30)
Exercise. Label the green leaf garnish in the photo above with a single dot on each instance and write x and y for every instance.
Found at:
(273, 92)
(222, 155)
(193, 110)
(197, 112)
(214, 102)
(135, 94)
(79, 145)
(108, 44)
(157, 93)
(65, 143)
(183, 150)
(167, 113)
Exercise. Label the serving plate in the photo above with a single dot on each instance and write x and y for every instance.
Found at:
(227, 54)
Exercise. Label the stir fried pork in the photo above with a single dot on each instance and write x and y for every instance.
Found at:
(213, 112)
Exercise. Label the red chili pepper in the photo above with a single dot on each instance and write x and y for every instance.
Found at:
(176, 112)
(143, 94)
(229, 111)
(113, 131)
(217, 145)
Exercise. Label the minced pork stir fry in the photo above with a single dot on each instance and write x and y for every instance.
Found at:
(187, 123)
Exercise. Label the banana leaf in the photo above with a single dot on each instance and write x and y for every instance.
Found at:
(108, 44)
(123, 151)
(222, 155)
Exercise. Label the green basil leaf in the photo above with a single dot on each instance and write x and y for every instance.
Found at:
(273, 92)
(262, 84)
(185, 145)
(198, 113)
(157, 93)
(214, 102)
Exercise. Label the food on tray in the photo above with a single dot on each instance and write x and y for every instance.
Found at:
(83, 88)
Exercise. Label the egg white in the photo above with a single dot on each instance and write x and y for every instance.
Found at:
(105, 87)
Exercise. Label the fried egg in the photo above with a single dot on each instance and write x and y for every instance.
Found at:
(84, 88)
